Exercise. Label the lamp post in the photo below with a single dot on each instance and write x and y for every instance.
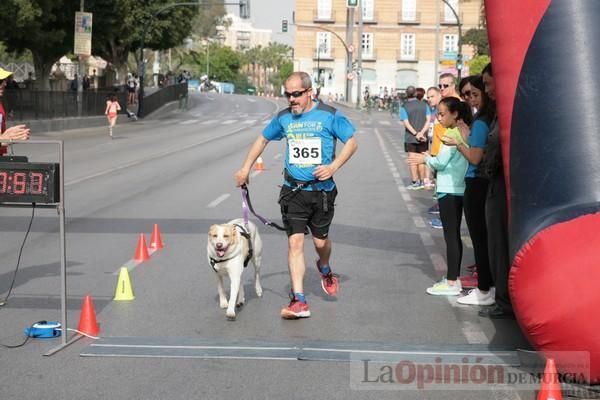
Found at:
(459, 53)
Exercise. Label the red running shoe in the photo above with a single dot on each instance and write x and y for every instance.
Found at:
(296, 309)
(468, 281)
(329, 282)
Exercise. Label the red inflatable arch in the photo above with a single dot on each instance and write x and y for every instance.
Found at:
(546, 64)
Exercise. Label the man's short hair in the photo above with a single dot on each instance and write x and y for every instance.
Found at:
(305, 79)
(448, 75)
(411, 92)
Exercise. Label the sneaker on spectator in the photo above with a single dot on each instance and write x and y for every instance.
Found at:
(329, 281)
(434, 209)
(415, 186)
(477, 298)
(429, 186)
(436, 223)
(443, 288)
(469, 281)
(296, 309)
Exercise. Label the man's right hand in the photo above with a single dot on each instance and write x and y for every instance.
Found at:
(241, 177)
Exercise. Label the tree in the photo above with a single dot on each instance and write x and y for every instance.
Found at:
(477, 64)
(45, 27)
(478, 39)
(123, 23)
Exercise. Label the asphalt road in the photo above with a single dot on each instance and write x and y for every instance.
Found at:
(173, 341)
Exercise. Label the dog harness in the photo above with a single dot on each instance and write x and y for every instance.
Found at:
(242, 230)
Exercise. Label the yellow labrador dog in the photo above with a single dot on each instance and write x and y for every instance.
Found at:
(230, 247)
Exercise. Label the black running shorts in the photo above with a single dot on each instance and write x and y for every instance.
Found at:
(304, 208)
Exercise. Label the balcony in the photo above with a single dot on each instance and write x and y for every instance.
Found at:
(324, 18)
(372, 20)
(450, 20)
(409, 18)
(324, 56)
(408, 58)
(369, 57)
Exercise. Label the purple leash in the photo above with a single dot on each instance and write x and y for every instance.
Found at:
(247, 209)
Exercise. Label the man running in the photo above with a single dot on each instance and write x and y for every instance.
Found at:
(307, 197)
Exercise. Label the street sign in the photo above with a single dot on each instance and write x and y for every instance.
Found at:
(351, 48)
(350, 76)
(83, 34)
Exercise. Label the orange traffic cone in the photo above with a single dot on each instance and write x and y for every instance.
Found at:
(550, 387)
(259, 166)
(141, 252)
(87, 321)
(155, 240)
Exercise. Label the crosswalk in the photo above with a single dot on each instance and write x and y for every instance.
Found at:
(226, 119)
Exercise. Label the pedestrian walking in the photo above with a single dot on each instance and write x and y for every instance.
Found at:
(307, 197)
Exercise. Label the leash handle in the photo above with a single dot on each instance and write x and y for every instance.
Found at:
(247, 206)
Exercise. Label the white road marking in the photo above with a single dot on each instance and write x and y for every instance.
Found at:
(249, 121)
(228, 121)
(189, 122)
(210, 121)
(218, 200)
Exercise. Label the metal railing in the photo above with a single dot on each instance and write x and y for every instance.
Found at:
(25, 104)
(166, 95)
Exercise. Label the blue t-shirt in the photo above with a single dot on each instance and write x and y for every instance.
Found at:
(322, 125)
(477, 138)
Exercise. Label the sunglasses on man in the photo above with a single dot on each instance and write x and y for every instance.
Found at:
(295, 94)
(443, 86)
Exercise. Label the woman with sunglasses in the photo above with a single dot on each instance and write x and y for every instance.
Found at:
(307, 198)
(476, 186)
(17, 132)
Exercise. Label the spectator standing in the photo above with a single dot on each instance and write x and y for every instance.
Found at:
(17, 132)
(415, 116)
(496, 213)
(451, 167)
(476, 189)
(131, 88)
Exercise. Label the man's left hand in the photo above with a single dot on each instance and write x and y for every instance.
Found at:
(323, 172)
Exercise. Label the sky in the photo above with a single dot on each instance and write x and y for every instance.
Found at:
(268, 14)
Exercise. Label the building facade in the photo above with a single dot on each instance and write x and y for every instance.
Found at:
(403, 42)
(241, 35)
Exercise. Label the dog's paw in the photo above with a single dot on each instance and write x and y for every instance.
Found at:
(259, 291)
(230, 314)
(241, 303)
(223, 304)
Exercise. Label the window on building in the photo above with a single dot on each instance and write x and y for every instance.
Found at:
(409, 10)
(323, 44)
(367, 45)
(324, 9)
(367, 9)
(448, 14)
(405, 78)
(450, 43)
(407, 46)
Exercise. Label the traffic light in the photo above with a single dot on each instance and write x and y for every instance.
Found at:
(352, 3)
(284, 25)
(245, 9)
(459, 62)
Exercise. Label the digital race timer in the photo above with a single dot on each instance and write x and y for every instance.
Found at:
(25, 182)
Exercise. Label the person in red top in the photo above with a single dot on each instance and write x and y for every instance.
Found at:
(17, 132)
(112, 109)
